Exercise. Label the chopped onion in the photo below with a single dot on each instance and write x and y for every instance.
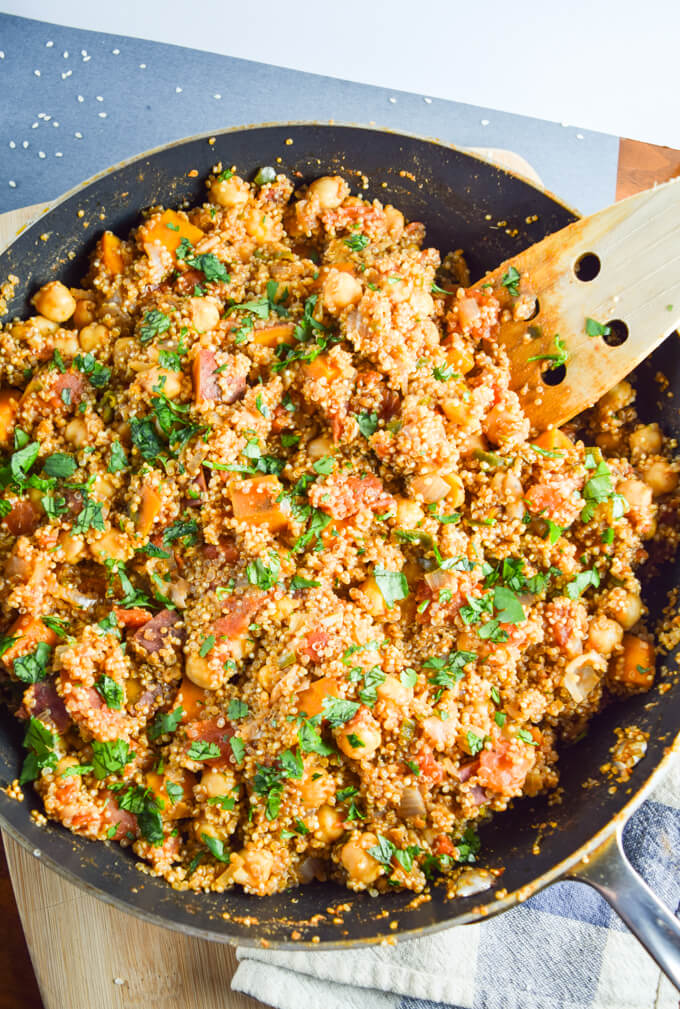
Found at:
(431, 487)
(583, 674)
(439, 579)
(311, 868)
(411, 804)
(473, 881)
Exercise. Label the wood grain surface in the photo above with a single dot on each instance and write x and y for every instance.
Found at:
(87, 955)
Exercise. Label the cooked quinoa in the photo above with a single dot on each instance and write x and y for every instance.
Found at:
(289, 587)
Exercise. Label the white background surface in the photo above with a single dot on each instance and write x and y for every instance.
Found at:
(609, 65)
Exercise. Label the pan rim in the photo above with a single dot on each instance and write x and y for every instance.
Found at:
(475, 914)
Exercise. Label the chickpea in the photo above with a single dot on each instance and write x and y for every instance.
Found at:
(361, 867)
(215, 783)
(252, 868)
(394, 221)
(204, 826)
(123, 349)
(330, 191)
(76, 432)
(660, 477)
(604, 635)
(83, 314)
(392, 689)
(260, 225)
(618, 397)
(205, 314)
(361, 736)
(161, 379)
(409, 513)
(232, 192)
(456, 494)
(93, 336)
(646, 440)
(319, 447)
(507, 488)
(625, 607)
(316, 787)
(340, 289)
(55, 301)
(608, 441)
(495, 424)
(104, 487)
(637, 494)
(199, 671)
(64, 764)
(72, 547)
(330, 824)
(66, 343)
(25, 330)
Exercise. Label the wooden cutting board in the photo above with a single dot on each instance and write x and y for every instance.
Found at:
(85, 953)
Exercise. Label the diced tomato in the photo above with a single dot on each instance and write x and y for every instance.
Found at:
(132, 618)
(206, 386)
(237, 612)
(347, 495)
(160, 632)
(315, 643)
(504, 768)
(208, 731)
(443, 845)
(430, 768)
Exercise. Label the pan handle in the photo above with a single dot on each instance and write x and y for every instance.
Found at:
(609, 872)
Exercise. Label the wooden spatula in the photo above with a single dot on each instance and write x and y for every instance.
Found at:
(608, 292)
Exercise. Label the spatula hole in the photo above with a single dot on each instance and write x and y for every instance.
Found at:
(587, 266)
(553, 376)
(536, 309)
(618, 333)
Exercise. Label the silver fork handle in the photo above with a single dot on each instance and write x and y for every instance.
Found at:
(609, 872)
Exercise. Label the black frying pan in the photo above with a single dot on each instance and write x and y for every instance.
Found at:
(463, 201)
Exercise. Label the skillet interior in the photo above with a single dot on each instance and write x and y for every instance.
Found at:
(465, 203)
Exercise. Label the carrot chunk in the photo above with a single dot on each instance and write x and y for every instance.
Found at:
(311, 700)
(29, 631)
(192, 700)
(149, 508)
(109, 250)
(554, 440)
(255, 501)
(272, 336)
(9, 405)
(169, 229)
(635, 667)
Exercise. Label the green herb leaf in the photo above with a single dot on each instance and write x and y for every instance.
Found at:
(118, 460)
(110, 757)
(60, 465)
(40, 743)
(238, 748)
(475, 743)
(32, 667)
(368, 423)
(237, 709)
(216, 848)
(110, 691)
(202, 750)
(510, 280)
(392, 584)
(383, 851)
(337, 711)
(165, 722)
(594, 328)
(357, 242)
(581, 582)
(155, 323)
(560, 357)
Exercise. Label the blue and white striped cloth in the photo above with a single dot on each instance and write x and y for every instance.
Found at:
(563, 949)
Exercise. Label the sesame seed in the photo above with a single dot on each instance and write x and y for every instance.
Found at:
(116, 52)
(24, 144)
(58, 154)
(34, 126)
(80, 98)
(12, 184)
(78, 135)
(217, 97)
(66, 74)
(484, 122)
(102, 115)
(37, 852)
(66, 54)
(178, 91)
(142, 66)
(393, 100)
(12, 144)
(83, 52)
(48, 45)
(579, 136)
(428, 101)
(41, 154)
(99, 98)
(118, 980)
(55, 123)
(86, 59)
(2, 55)
(37, 73)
